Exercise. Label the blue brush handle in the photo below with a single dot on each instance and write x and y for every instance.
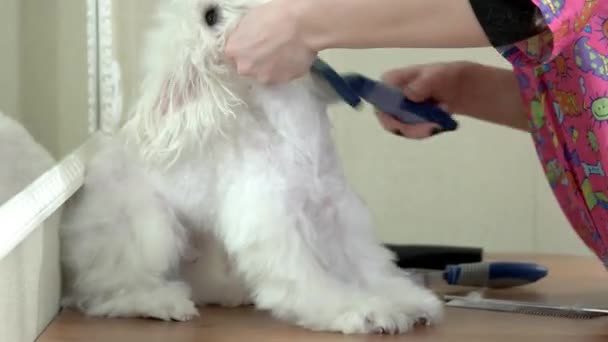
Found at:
(390, 100)
(339, 84)
(494, 274)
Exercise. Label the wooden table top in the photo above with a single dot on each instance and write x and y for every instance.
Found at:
(572, 280)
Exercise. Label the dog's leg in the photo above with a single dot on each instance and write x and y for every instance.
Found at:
(211, 275)
(122, 268)
(373, 263)
(121, 247)
(307, 273)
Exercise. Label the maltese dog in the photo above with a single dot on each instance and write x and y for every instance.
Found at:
(221, 191)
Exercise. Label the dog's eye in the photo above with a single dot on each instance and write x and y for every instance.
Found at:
(211, 15)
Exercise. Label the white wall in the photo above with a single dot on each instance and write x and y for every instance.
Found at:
(43, 74)
(131, 18)
(38, 71)
(9, 50)
(72, 95)
(53, 73)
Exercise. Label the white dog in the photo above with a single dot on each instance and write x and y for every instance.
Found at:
(222, 191)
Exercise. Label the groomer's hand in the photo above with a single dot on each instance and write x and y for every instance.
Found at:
(268, 44)
(439, 82)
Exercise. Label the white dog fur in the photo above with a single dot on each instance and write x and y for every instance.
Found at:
(223, 191)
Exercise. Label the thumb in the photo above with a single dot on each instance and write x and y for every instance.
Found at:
(418, 89)
(411, 82)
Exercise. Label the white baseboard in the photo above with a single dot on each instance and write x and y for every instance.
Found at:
(27, 210)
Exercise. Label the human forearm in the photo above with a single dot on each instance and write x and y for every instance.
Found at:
(493, 95)
(389, 23)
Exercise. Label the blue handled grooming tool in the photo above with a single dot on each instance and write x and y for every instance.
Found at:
(483, 274)
(336, 82)
(390, 100)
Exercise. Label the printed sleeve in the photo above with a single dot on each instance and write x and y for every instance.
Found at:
(563, 21)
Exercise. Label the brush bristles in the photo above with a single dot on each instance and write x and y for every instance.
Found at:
(575, 314)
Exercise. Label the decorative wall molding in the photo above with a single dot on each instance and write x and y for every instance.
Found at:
(30, 208)
(93, 65)
(105, 88)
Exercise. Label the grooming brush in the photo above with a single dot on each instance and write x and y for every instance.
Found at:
(526, 308)
(387, 99)
(495, 275)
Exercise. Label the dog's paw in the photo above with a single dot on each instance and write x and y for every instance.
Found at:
(385, 316)
(172, 304)
(418, 302)
(179, 310)
(168, 302)
(426, 308)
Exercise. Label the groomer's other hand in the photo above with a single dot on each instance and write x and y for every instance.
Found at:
(268, 44)
(439, 82)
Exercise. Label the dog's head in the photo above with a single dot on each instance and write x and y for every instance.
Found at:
(189, 88)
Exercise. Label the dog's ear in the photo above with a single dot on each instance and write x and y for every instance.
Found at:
(166, 105)
(171, 93)
(179, 108)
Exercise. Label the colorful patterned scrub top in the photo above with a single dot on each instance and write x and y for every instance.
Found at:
(563, 75)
